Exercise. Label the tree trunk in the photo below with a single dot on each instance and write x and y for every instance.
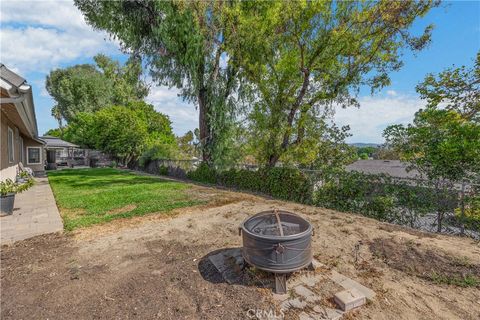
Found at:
(439, 221)
(204, 126)
(272, 160)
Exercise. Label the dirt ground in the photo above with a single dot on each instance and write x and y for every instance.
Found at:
(155, 267)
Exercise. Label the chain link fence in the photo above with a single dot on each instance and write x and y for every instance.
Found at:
(450, 208)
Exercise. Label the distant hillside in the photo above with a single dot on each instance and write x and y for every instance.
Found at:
(362, 144)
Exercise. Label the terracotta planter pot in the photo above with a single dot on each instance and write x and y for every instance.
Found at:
(6, 203)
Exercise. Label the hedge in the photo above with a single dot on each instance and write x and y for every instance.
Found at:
(381, 196)
(374, 195)
(282, 183)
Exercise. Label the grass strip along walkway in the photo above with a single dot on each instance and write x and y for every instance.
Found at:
(91, 196)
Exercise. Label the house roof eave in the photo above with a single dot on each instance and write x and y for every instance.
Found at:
(20, 95)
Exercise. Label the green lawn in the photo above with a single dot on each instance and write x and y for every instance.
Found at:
(91, 196)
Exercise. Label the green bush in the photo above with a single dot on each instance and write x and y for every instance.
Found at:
(163, 170)
(242, 180)
(288, 184)
(282, 183)
(378, 196)
(374, 195)
(204, 174)
(472, 213)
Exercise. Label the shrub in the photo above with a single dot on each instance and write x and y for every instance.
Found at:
(472, 213)
(378, 196)
(163, 170)
(203, 173)
(242, 179)
(283, 183)
(288, 184)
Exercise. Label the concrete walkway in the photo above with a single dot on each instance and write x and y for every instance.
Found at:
(35, 213)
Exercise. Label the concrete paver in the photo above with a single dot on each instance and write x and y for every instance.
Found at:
(349, 299)
(35, 213)
(348, 283)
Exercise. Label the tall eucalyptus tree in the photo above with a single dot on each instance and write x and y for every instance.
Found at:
(184, 44)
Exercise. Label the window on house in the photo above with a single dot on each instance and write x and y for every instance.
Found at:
(34, 155)
(10, 146)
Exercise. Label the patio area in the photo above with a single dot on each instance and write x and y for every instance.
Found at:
(35, 213)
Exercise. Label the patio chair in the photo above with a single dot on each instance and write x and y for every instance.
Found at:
(26, 169)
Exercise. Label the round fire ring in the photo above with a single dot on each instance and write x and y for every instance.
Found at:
(277, 241)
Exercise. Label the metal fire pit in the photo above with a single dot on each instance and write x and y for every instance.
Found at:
(279, 242)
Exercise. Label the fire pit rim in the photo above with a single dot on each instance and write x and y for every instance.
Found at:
(277, 237)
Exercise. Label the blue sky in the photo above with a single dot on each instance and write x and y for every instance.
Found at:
(46, 35)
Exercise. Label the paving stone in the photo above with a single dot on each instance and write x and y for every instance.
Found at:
(293, 303)
(280, 297)
(327, 313)
(348, 283)
(349, 299)
(229, 264)
(305, 316)
(316, 264)
(35, 213)
(218, 260)
(306, 294)
(311, 279)
(302, 291)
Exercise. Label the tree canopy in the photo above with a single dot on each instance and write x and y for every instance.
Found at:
(125, 132)
(440, 143)
(443, 142)
(88, 88)
(184, 44)
(303, 57)
(456, 88)
(81, 88)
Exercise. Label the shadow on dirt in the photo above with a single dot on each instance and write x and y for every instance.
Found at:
(228, 266)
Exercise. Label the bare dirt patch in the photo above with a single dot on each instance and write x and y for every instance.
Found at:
(56, 282)
(413, 232)
(436, 266)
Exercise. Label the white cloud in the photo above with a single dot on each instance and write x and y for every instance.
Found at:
(40, 35)
(391, 93)
(60, 14)
(184, 115)
(375, 114)
(40, 85)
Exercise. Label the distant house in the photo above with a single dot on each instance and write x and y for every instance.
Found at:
(19, 142)
(394, 168)
(58, 151)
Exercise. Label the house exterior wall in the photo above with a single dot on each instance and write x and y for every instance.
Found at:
(8, 169)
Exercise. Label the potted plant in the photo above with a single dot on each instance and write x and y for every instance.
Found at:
(8, 189)
(23, 177)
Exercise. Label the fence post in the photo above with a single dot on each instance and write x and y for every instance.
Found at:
(462, 209)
